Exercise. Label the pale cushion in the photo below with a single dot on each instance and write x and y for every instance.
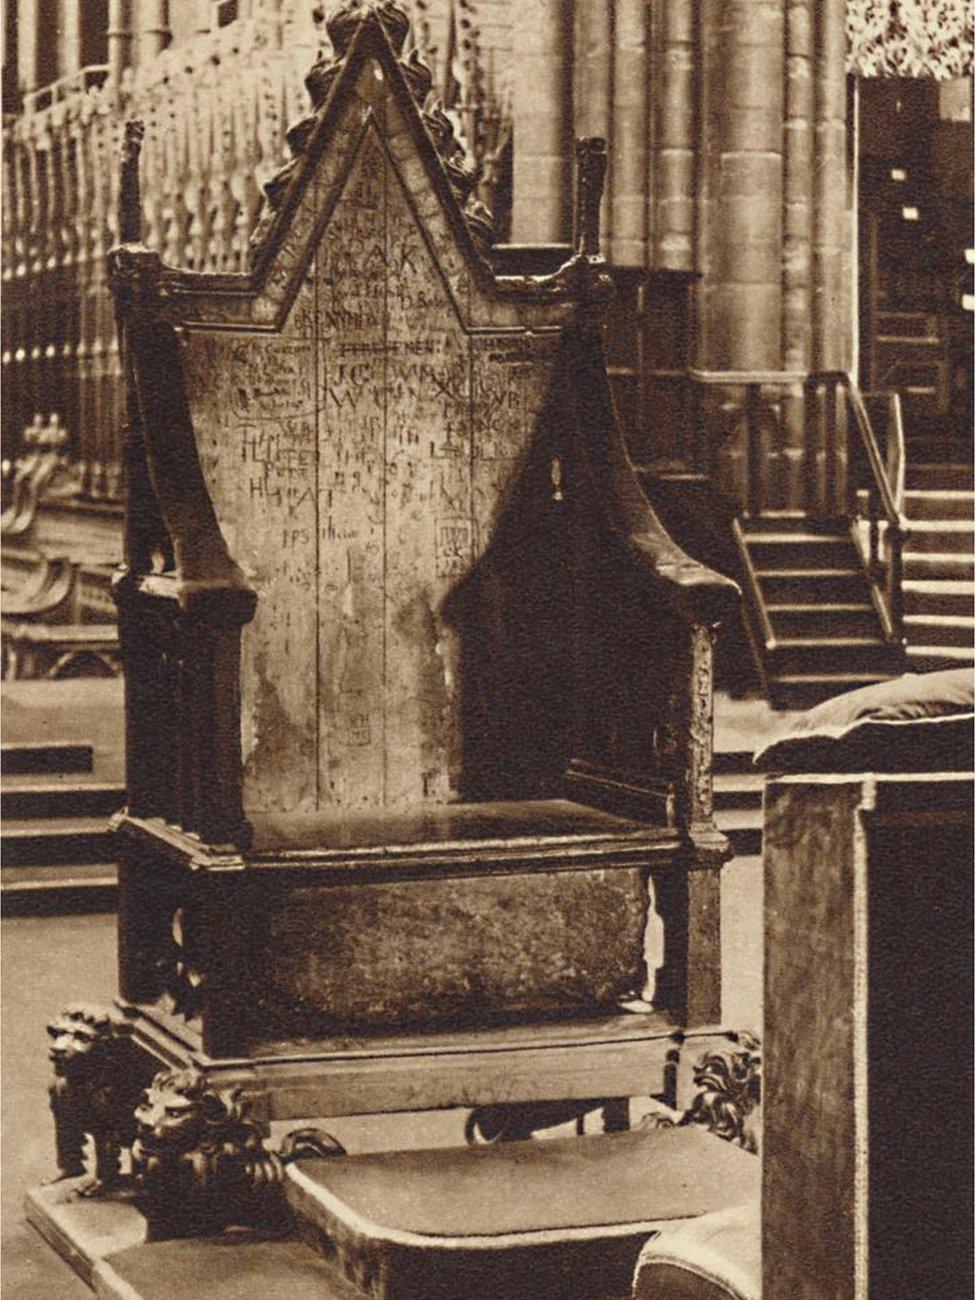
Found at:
(715, 1257)
(920, 722)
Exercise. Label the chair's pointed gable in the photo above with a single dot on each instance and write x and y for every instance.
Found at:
(374, 98)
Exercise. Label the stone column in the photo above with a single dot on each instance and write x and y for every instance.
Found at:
(830, 184)
(672, 196)
(69, 37)
(593, 90)
(119, 38)
(27, 44)
(797, 241)
(154, 28)
(630, 132)
(542, 108)
(741, 324)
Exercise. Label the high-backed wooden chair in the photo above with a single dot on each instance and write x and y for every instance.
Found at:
(418, 689)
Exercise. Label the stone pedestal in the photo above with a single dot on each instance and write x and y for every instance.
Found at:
(867, 1177)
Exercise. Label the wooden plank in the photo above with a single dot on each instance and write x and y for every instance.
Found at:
(351, 279)
(427, 507)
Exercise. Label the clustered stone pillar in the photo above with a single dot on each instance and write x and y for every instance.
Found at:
(541, 104)
(673, 183)
(627, 218)
(727, 128)
(741, 290)
(831, 342)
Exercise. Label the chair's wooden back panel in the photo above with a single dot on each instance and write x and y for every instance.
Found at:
(357, 459)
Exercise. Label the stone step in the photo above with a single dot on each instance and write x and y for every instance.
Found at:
(799, 551)
(932, 596)
(743, 826)
(460, 1235)
(939, 535)
(932, 658)
(788, 585)
(803, 690)
(939, 629)
(59, 889)
(62, 841)
(738, 791)
(47, 756)
(825, 655)
(932, 565)
(732, 761)
(788, 523)
(941, 475)
(61, 799)
(938, 504)
(837, 619)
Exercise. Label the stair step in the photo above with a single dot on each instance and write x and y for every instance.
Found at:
(48, 756)
(731, 762)
(739, 791)
(61, 799)
(801, 690)
(930, 658)
(799, 551)
(939, 629)
(49, 890)
(59, 842)
(826, 655)
(932, 596)
(838, 618)
(743, 826)
(939, 535)
(938, 503)
(786, 523)
(953, 565)
(950, 475)
(813, 586)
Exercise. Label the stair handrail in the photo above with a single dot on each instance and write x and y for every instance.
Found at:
(883, 505)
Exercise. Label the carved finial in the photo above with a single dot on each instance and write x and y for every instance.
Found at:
(591, 170)
(130, 204)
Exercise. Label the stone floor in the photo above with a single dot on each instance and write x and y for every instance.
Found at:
(49, 962)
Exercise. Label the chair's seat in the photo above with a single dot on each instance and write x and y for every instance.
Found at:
(466, 827)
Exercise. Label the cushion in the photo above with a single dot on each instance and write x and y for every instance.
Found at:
(921, 722)
(711, 1258)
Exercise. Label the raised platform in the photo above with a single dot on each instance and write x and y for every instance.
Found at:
(562, 1218)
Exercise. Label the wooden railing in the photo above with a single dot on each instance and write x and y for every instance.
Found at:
(877, 482)
(785, 441)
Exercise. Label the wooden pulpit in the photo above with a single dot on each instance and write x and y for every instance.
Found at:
(418, 688)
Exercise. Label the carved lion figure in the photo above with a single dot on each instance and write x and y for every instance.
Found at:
(200, 1164)
(94, 1090)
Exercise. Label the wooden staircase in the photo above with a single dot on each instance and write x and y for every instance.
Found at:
(816, 625)
(57, 846)
(938, 565)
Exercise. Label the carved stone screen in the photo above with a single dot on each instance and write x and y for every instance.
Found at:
(358, 421)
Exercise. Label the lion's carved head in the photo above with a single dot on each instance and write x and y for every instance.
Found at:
(181, 1112)
(85, 1041)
